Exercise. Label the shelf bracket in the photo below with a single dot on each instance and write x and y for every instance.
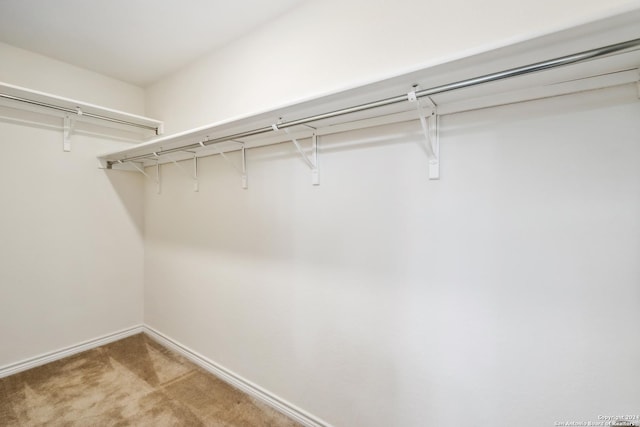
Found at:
(67, 130)
(430, 128)
(241, 170)
(155, 180)
(311, 162)
(194, 176)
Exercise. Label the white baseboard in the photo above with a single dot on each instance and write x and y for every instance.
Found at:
(219, 371)
(237, 381)
(43, 359)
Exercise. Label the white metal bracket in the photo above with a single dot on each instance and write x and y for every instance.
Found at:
(193, 176)
(431, 130)
(67, 130)
(311, 162)
(68, 126)
(157, 178)
(242, 170)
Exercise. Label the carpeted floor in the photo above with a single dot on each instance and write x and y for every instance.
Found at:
(131, 382)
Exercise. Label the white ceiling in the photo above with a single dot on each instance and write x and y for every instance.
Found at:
(137, 41)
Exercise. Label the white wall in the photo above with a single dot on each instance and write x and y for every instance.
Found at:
(37, 72)
(72, 249)
(504, 294)
(324, 46)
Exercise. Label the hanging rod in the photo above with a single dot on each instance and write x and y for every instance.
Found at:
(487, 78)
(78, 112)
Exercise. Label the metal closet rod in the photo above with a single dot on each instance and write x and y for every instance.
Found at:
(487, 78)
(77, 112)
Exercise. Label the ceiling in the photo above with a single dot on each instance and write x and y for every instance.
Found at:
(137, 41)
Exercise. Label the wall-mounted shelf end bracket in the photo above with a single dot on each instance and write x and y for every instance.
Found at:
(311, 162)
(430, 128)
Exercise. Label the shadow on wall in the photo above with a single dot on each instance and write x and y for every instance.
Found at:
(470, 122)
(388, 135)
(342, 224)
(130, 189)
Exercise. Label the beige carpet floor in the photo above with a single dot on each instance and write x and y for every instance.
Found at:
(131, 382)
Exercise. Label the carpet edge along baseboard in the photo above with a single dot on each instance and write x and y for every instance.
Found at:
(52, 356)
(228, 376)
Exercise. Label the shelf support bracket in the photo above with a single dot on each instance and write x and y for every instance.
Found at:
(194, 176)
(67, 130)
(155, 180)
(67, 127)
(243, 169)
(196, 181)
(311, 162)
(431, 130)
